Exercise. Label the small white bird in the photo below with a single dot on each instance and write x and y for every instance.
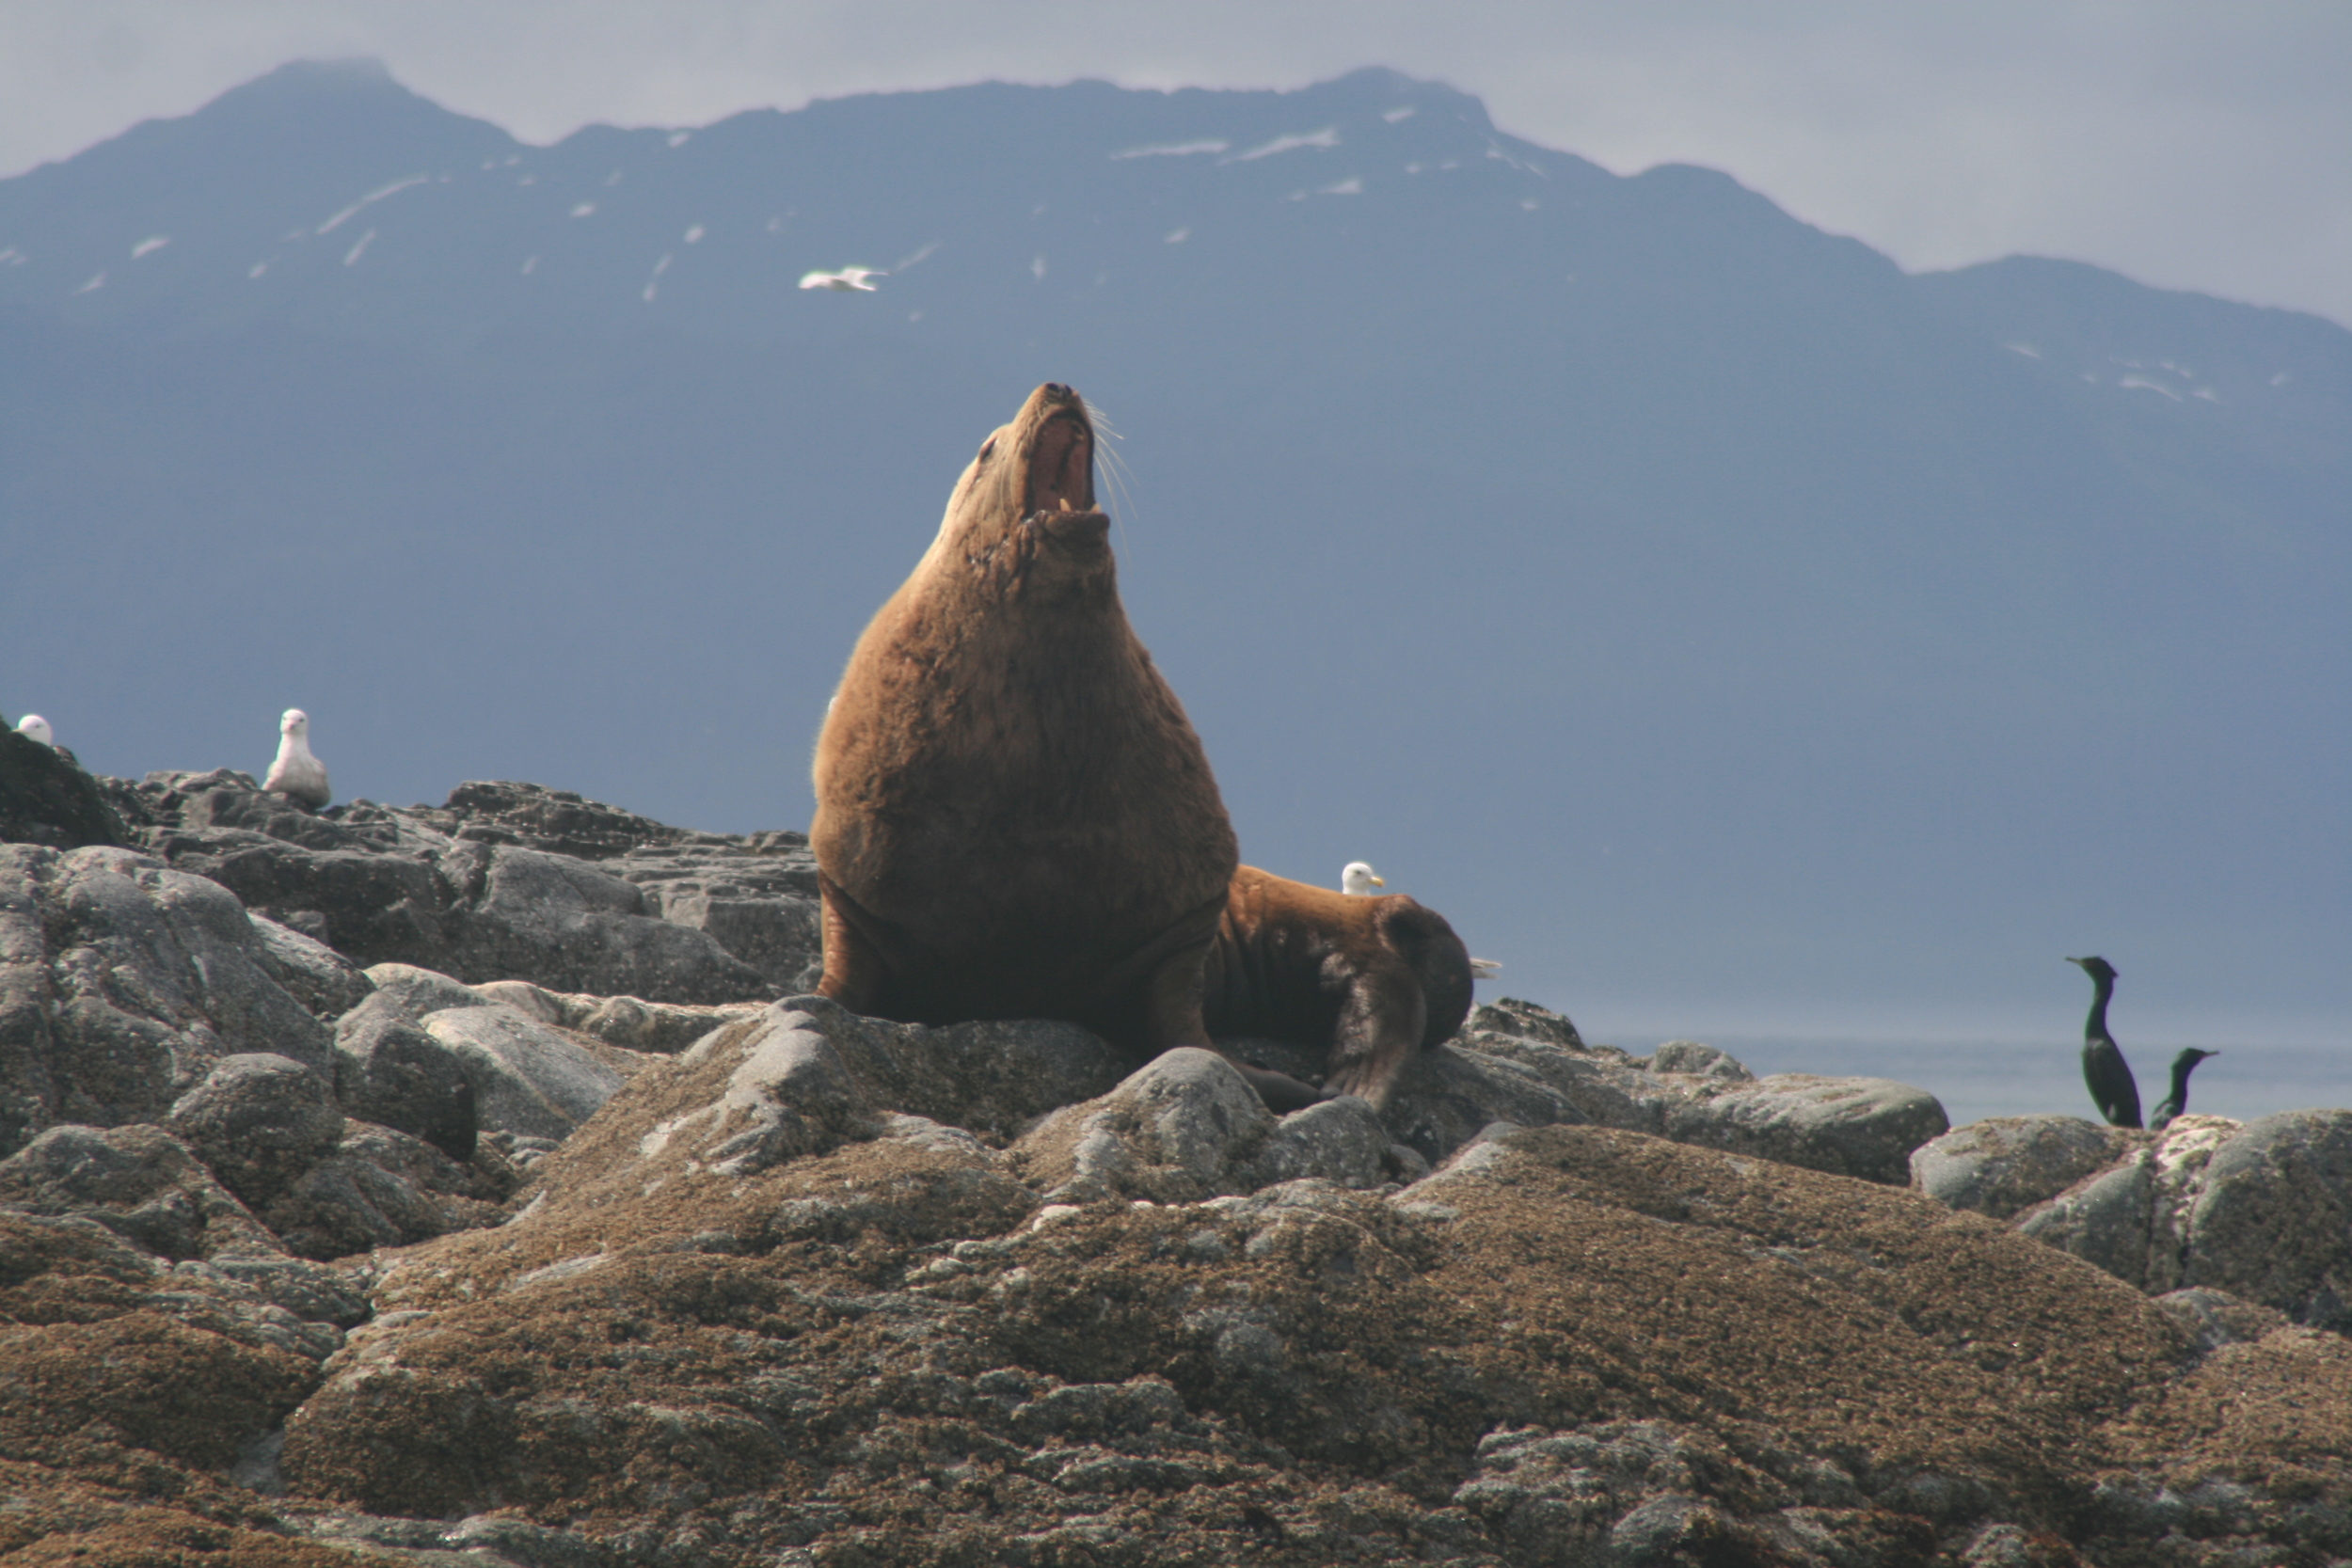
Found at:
(846, 281)
(296, 774)
(34, 727)
(1485, 968)
(1357, 877)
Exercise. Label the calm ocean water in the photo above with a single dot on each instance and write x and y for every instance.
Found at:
(1975, 1079)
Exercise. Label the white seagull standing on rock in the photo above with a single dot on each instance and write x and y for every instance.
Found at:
(34, 727)
(846, 281)
(296, 774)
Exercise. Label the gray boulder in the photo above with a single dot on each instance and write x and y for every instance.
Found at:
(663, 1028)
(805, 1076)
(504, 811)
(2108, 1219)
(122, 982)
(139, 1183)
(378, 1187)
(1446, 1095)
(2004, 1164)
(2271, 1218)
(1342, 1141)
(1185, 1127)
(258, 1122)
(2216, 1317)
(1515, 1062)
(313, 972)
(392, 1072)
(411, 992)
(1523, 1019)
(451, 889)
(1859, 1127)
(1702, 1061)
(757, 900)
(354, 878)
(2135, 1217)
(528, 1079)
(46, 799)
(565, 925)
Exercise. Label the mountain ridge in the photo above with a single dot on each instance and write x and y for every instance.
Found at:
(1706, 560)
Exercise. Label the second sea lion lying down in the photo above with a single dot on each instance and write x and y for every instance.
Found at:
(1371, 980)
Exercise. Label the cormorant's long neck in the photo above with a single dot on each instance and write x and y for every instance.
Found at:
(2183, 1066)
(2095, 1027)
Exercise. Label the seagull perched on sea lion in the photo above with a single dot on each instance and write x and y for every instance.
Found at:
(296, 774)
(849, 279)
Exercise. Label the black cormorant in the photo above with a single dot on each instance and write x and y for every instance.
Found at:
(2112, 1087)
(2175, 1103)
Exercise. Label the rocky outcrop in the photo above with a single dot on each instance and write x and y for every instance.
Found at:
(122, 982)
(2003, 1164)
(449, 1265)
(2257, 1212)
(1573, 1344)
(45, 798)
(462, 889)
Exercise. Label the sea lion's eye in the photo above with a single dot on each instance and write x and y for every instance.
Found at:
(986, 447)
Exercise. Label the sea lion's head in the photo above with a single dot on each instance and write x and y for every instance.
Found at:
(1022, 517)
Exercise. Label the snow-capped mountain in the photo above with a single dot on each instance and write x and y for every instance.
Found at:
(1689, 598)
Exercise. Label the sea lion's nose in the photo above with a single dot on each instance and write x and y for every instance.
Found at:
(1058, 392)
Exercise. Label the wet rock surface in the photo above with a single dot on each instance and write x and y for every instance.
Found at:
(316, 1247)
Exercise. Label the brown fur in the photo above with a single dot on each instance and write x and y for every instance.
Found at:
(1014, 818)
(1374, 980)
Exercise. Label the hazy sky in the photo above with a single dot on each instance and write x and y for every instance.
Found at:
(2203, 146)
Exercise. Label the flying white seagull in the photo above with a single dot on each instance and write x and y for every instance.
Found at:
(846, 281)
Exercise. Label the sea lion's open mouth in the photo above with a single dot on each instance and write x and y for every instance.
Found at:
(1061, 465)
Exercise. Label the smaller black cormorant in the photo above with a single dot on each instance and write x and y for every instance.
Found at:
(2175, 1103)
(2113, 1087)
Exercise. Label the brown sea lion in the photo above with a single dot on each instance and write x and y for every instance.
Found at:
(1372, 979)
(1014, 818)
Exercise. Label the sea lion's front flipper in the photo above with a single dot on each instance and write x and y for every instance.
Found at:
(857, 962)
(1151, 999)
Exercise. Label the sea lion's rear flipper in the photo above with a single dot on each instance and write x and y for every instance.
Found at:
(1282, 1093)
(1380, 1028)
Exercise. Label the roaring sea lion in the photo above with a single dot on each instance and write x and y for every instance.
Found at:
(1014, 818)
(1373, 977)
